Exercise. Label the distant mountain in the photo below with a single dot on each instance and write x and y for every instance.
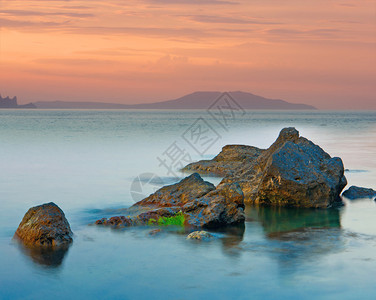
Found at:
(196, 100)
(12, 103)
(203, 100)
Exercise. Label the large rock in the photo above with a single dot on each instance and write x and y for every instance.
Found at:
(355, 192)
(230, 159)
(44, 225)
(190, 202)
(293, 171)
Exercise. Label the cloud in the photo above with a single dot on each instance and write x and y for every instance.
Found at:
(29, 13)
(76, 7)
(141, 31)
(6, 23)
(193, 2)
(299, 34)
(225, 20)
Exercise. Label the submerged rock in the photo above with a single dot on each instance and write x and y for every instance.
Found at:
(356, 192)
(293, 171)
(155, 231)
(44, 225)
(231, 158)
(200, 235)
(190, 202)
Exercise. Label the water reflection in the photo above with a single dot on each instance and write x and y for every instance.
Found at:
(295, 237)
(46, 257)
(277, 222)
(231, 239)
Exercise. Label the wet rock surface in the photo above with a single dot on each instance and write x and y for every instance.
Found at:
(293, 172)
(356, 192)
(190, 202)
(44, 226)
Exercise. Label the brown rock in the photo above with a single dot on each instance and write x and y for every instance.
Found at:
(230, 159)
(192, 201)
(292, 172)
(155, 231)
(44, 225)
(178, 194)
(200, 235)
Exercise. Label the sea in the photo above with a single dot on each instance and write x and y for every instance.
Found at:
(93, 162)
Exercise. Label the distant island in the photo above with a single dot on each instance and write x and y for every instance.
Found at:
(196, 100)
(12, 103)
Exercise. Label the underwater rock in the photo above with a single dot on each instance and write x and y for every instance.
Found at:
(200, 235)
(155, 231)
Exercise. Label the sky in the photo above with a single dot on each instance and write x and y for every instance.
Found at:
(318, 52)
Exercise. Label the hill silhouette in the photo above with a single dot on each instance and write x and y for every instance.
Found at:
(196, 100)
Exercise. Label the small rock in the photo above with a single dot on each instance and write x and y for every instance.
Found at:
(356, 192)
(44, 225)
(200, 235)
(155, 231)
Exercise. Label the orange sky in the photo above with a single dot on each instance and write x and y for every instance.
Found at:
(319, 52)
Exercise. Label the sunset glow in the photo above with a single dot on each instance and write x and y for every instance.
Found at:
(314, 52)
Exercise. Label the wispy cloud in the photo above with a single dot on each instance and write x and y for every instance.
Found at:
(29, 13)
(194, 2)
(140, 31)
(226, 20)
(7, 23)
(281, 33)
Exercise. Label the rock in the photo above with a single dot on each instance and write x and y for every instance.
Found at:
(44, 225)
(191, 202)
(231, 158)
(155, 231)
(200, 235)
(218, 208)
(8, 102)
(355, 192)
(29, 105)
(12, 103)
(293, 171)
(185, 191)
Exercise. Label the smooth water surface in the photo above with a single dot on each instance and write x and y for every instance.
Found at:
(90, 163)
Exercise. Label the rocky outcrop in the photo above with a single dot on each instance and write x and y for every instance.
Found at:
(230, 159)
(191, 202)
(29, 105)
(200, 235)
(355, 192)
(12, 103)
(44, 225)
(8, 102)
(293, 171)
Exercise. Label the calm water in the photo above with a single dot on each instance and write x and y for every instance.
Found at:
(86, 162)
